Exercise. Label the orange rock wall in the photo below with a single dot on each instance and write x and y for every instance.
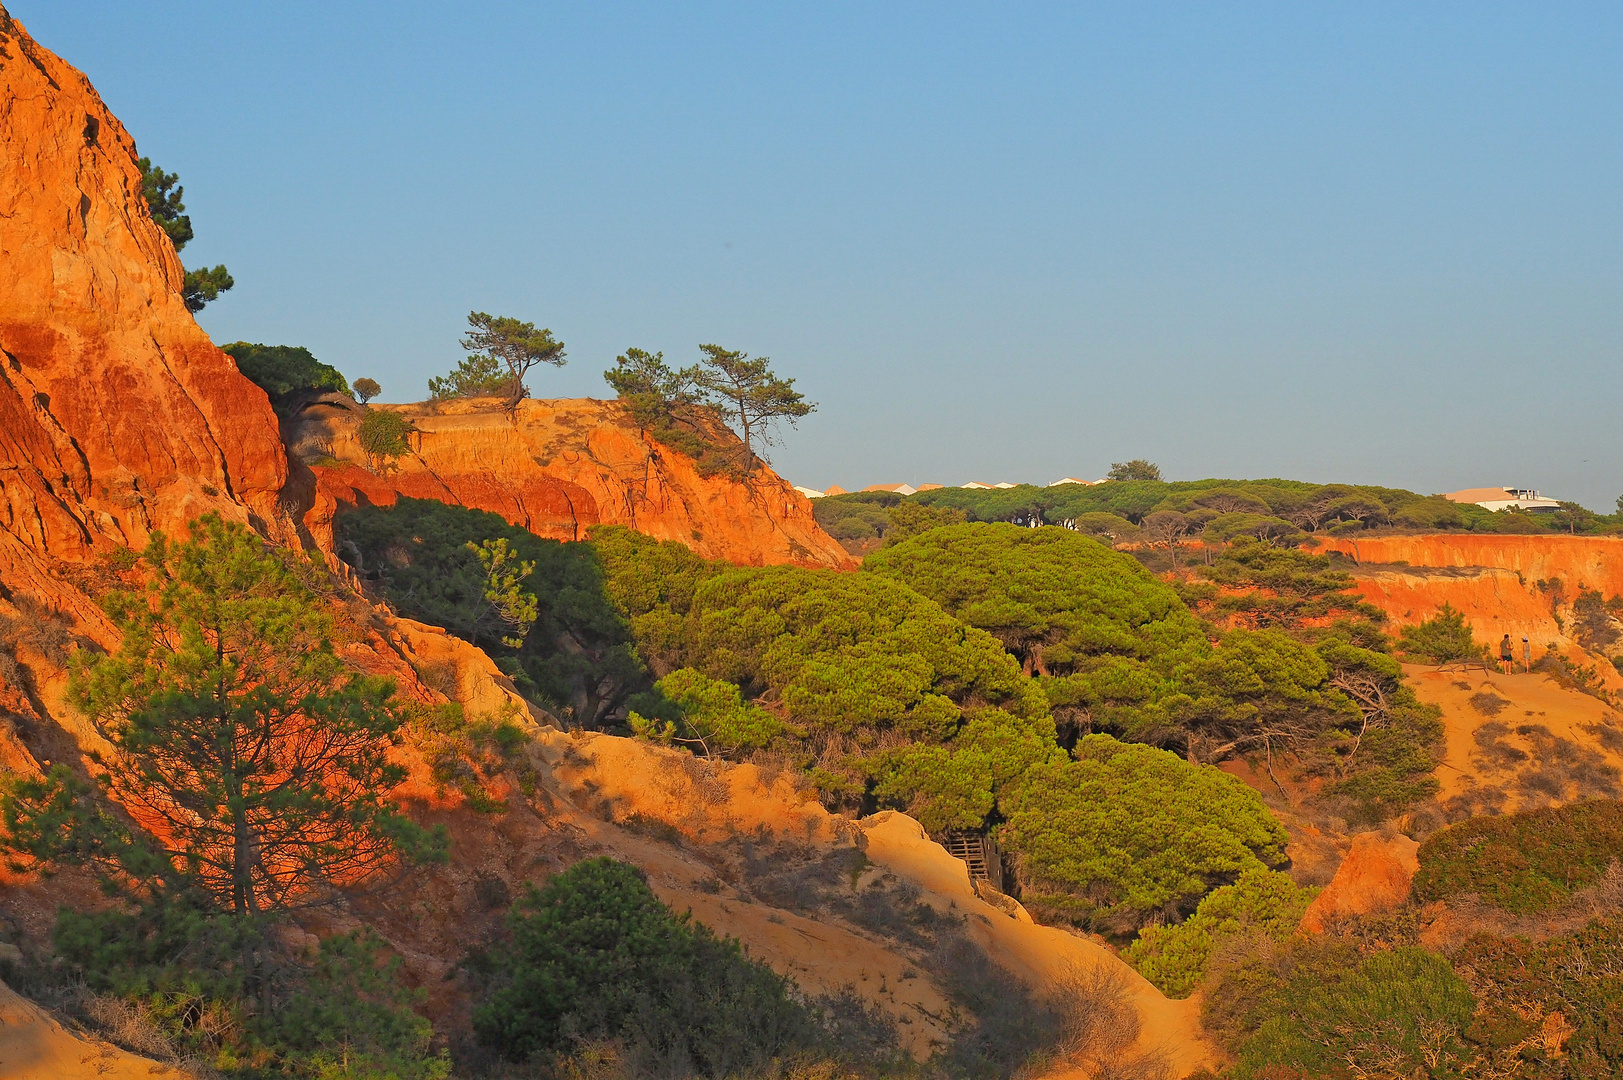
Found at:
(1492, 580)
(557, 468)
(117, 415)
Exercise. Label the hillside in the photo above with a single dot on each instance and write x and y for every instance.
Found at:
(557, 468)
(98, 344)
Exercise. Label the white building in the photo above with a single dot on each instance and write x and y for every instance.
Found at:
(1506, 498)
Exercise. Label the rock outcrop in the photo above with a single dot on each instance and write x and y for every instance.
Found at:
(1373, 877)
(117, 414)
(557, 468)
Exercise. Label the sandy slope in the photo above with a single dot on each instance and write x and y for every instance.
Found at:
(1544, 744)
(641, 782)
(1041, 955)
(33, 1046)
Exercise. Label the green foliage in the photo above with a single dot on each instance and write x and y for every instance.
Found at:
(1592, 620)
(594, 954)
(1059, 601)
(577, 654)
(505, 572)
(218, 987)
(1267, 586)
(1441, 639)
(366, 389)
(259, 760)
(1319, 1009)
(714, 715)
(502, 350)
(352, 1019)
(460, 750)
(957, 786)
(283, 370)
(385, 436)
(1435, 513)
(1299, 505)
(474, 376)
(201, 287)
(1524, 863)
(163, 195)
(844, 651)
(1575, 979)
(870, 515)
(1260, 901)
(652, 390)
(750, 393)
(1127, 834)
(1137, 469)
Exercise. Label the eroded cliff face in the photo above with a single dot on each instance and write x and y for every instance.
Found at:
(117, 414)
(557, 468)
(1523, 586)
(1517, 585)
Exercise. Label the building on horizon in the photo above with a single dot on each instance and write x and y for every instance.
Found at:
(1506, 498)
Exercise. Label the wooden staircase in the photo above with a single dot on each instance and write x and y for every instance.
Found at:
(970, 849)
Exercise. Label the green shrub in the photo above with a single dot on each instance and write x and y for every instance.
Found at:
(578, 652)
(385, 436)
(1523, 863)
(1174, 957)
(1324, 1011)
(595, 954)
(1576, 979)
(1441, 639)
(1128, 834)
(180, 964)
(281, 370)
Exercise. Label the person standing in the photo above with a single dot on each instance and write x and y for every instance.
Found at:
(1507, 655)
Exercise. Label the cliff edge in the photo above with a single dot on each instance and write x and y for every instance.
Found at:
(556, 468)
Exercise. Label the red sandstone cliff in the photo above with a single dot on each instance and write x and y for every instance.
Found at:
(1492, 580)
(557, 468)
(117, 415)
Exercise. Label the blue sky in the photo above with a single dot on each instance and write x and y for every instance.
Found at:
(1374, 243)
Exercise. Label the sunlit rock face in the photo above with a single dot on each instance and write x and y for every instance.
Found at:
(117, 414)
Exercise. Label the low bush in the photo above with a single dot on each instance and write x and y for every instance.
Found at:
(1441, 639)
(575, 657)
(595, 955)
(1320, 1008)
(385, 436)
(201, 986)
(1522, 863)
(1553, 1008)
(1174, 957)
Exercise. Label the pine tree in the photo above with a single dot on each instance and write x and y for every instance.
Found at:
(251, 763)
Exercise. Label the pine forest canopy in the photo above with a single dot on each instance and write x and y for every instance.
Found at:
(957, 662)
(1218, 510)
